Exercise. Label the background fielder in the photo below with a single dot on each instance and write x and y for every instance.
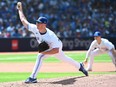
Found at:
(99, 46)
(44, 34)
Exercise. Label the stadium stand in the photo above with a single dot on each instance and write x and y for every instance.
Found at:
(67, 18)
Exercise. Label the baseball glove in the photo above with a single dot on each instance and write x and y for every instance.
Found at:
(43, 46)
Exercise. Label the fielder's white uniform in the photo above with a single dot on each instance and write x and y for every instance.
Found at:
(53, 42)
(104, 47)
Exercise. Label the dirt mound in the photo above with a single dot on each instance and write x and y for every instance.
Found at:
(91, 81)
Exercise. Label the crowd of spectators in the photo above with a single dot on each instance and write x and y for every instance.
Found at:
(67, 18)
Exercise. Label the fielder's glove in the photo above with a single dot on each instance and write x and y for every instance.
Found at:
(43, 46)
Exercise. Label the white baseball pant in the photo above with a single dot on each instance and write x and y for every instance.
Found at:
(97, 52)
(59, 55)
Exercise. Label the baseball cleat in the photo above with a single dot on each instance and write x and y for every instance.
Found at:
(82, 69)
(30, 80)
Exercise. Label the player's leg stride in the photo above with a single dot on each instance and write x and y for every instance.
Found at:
(34, 80)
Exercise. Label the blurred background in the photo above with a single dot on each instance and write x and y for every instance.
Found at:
(67, 18)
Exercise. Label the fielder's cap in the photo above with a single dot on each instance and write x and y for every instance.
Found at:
(97, 33)
(42, 20)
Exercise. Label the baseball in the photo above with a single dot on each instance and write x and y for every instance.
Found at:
(19, 4)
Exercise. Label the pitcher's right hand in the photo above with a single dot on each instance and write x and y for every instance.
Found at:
(19, 5)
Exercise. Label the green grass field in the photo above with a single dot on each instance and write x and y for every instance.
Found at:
(15, 76)
(32, 57)
(20, 57)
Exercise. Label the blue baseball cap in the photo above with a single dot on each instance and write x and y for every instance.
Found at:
(42, 20)
(97, 33)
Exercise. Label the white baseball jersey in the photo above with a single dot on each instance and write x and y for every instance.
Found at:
(49, 37)
(105, 45)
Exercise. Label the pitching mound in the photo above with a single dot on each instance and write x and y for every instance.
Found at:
(91, 81)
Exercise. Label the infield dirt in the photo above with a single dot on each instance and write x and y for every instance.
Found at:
(52, 67)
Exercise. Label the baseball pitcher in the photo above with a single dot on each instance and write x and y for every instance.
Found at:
(99, 46)
(50, 44)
